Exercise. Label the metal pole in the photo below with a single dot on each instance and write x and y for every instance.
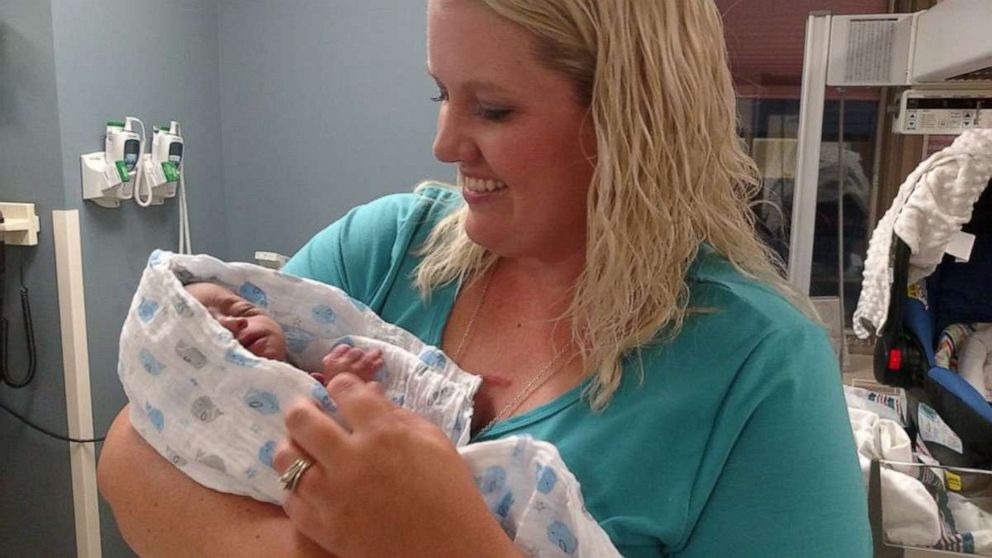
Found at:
(808, 155)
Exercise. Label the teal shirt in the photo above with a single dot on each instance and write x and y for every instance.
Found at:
(736, 443)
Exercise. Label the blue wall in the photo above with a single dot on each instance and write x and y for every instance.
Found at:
(326, 105)
(35, 491)
(293, 111)
(157, 61)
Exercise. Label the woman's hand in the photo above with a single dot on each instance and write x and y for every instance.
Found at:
(393, 486)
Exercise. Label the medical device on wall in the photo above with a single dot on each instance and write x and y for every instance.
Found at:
(169, 151)
(161, 167)
(163, 176)
(18, 226)
(110, 176)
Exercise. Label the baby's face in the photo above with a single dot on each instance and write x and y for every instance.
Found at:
(252, 327)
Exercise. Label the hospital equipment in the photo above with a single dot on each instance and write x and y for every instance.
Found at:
(5, 377)
(20, 224)
(161, 166)
(939, 62)
(124, 170)
(19, 227)
(163, 175)
(943, 112)
(109, 175)
(889, 50)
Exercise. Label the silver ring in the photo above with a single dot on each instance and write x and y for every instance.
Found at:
(291, 478)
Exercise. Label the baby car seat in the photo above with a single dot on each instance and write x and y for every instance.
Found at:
(957, 292)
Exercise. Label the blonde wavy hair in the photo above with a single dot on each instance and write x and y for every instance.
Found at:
(670, 172)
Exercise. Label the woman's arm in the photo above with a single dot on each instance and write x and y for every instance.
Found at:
(162, 512)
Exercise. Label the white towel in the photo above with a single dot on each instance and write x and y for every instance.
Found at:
(932, 204)
(909, 513)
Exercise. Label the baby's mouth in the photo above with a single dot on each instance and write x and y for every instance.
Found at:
(259, 347)
(254, 342)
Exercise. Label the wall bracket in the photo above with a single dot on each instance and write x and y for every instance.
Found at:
(20, 224)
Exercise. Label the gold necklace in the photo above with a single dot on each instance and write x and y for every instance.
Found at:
(539, 379)
(475, 315)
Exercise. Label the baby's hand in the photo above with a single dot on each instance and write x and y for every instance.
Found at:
(345, 358)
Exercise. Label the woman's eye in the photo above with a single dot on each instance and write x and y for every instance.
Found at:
(441, 96)
(494, 114)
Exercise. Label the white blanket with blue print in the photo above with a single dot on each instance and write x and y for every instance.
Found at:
(214, 410)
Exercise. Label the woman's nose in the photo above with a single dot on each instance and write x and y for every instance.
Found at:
(453, 142)
(233, 324)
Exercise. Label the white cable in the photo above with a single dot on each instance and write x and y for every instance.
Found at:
(185, 242)
(185, 246)
(140, 168)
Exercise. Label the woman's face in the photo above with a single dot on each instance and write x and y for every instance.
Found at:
(249, 325)
(516, 129)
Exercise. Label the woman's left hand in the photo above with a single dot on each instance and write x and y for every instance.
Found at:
(392, 486)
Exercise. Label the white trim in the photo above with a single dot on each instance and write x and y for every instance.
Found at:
(75, 363)
(808, 154)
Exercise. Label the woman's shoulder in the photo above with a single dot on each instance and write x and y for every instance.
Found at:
(428, 203)
(358, 249)
(738, 324)
(718, 288)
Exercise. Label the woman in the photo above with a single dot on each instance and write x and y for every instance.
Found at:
(602, 275)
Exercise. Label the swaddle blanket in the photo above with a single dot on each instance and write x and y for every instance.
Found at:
(932, 204)
(214, 409)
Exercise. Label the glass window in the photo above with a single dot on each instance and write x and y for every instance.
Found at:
(765, 40)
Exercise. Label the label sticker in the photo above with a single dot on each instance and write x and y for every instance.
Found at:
(169, 171)
(113, 176)
(960, 246)
(934, 429)
(953, 481)
(123, 170)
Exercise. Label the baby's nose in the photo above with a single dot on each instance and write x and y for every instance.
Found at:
(233, 324)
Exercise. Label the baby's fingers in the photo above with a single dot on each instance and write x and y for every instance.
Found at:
(340, 359)
(367, 366)
(360, 362)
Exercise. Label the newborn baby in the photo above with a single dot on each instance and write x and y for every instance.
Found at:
(208, 383)
(256, 331)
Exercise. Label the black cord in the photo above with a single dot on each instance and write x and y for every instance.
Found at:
(49, 432)
(5, 377)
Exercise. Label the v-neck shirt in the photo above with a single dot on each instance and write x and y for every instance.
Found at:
(735, 440)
